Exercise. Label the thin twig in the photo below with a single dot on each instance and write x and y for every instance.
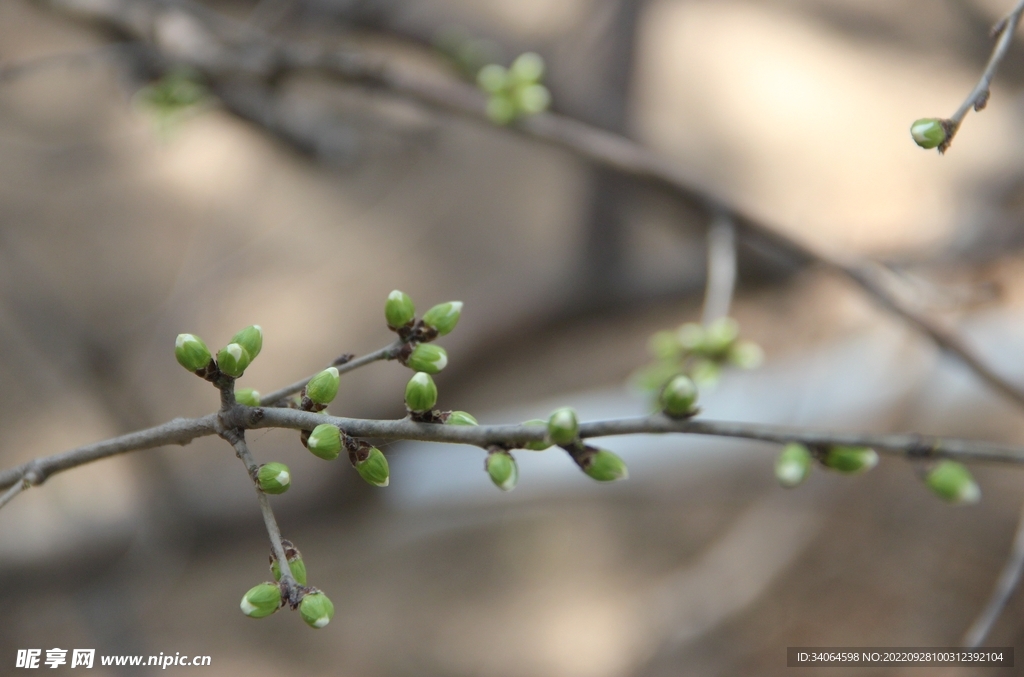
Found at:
(721, 276)
(978, 98)
(13, 491)
(1007, 582)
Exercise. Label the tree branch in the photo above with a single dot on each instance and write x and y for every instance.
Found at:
(1007, 582)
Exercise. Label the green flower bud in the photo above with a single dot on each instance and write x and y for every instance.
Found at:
(295, 563)
(443, 317)
(399, 310)
(420, 393)
(250, 338)
(325, 441)
(316, 609)
(248, 397)
(746, 355)
(604, 466)
(261, 601)
(375, 468)
(427, 357)
(664, 345)
(527, 68)
(793, 464)
(851, 459)
(678, 397)
(952, 482)
(719, 336)
(273, 478)
(191, 352)
(323, 387)
(461, 418)
(503, 470)
(542, 444)
(563, 427)
(533, 99)
(690, 336)
(233, 359)
(928, 132)
(492, 78)
(501, 109)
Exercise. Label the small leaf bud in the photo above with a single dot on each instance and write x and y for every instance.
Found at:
(375, 468)
(503, 470)
(719, 336)
(952, 482)
(250, 338)
(261, 601)
(191, 352)
(928, 132)
(233, 359)
(563, 426)
(539, 445)
(325, 441)
(461, 418)
(527, 67)
(443, 317)
(492, 78)
(501, 109)
(323, 387)
(664, 345)
(316, 609)
(295, 563)
(248, 397)
(793, 464)
(851, 459)
(273, 478)
(678, 397)
(604, 466)
(427, 357)
(399, 309)
(420, 393)
(746, 355)
(533, 99)
(690, 336)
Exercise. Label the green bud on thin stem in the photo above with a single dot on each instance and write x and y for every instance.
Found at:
(952, 482)
(461, 418)
(248, 397)
(563, 427)
(850, 460)
(542, 444)
(527, 68)
(399, 309)
(323, 387)
(793, 464)
(928, 132)
(233, 360)
(191, 352)
(250, 338)
(273, 478)
(295, 563)
(316, 609)
(443, 317)
(325, 441)
(375, 468)
(492, 78)
(604, 466)
(679, 397)
(420, 393)
(503, 470)
(261, 600)
(427, 357)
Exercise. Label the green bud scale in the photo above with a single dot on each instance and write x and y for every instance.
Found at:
(191, 352)
(250, 338)
(540, 445)
(420, 393)
(261, 601)
(316, 609)
(325, 441)
(443, 317)
(233, 359)
(323, 387)
(461, 418)
(273, 478)
(427, 357)
(375, 468)
(604, 466)
(679, 397)
(851, 459)
(563, 427)
(399, 309)
(503, 470)
(928, 132)
(248, 397)
(952, 482)
(793, 464)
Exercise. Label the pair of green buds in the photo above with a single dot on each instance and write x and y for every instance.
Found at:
(325, 441)
(563, 429)
(514, 91)
(266, 598)
(948, 480)
(400, 312)
(232, 360)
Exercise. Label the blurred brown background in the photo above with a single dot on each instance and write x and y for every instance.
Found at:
(115, 236)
